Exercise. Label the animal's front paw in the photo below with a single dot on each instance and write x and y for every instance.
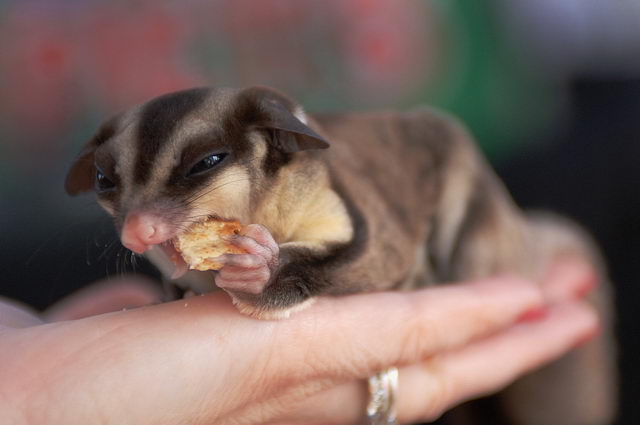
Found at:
(246, 275)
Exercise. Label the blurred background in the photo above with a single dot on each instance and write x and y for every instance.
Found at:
(550, 88)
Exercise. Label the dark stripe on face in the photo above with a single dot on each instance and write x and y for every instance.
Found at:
(275, 158)
(106, 132)
(158, 120)
(244, 114)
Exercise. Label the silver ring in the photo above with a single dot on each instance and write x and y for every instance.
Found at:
(383, 387)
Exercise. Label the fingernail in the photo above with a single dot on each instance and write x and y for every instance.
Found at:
(534, 315)
(570, 279)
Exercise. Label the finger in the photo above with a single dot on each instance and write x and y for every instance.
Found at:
(400, 328)
(105, 296)
(232, 273)
(252, 247)
(428, 389)
(14, 314)
(340, 404)
(261, 235)
(569, 278)
(251, 282)
(486, 366)
(248, 261)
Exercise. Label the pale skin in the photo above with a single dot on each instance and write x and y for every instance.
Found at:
(198, 361)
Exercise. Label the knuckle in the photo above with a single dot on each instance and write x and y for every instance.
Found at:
(442, 392)
(422, 333)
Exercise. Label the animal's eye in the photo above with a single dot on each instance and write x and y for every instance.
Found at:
(207, 163)
(102, 182)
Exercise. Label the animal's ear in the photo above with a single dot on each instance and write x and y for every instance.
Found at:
(283, 117)
(81, 175)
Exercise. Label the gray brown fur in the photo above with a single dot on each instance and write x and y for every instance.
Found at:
(412, 203)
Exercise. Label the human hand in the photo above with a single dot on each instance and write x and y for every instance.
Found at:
(199, 361)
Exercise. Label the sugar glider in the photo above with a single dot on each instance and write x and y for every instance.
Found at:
(335, 204)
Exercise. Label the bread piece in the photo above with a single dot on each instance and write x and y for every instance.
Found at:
(204, 241)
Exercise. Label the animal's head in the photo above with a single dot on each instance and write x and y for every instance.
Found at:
(187, 155)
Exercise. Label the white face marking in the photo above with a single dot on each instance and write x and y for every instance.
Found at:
(124, 150)
(259, 148)
(169, 157)
(125, 147)
(227, 195)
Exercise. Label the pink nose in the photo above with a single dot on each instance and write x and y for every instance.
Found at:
(141, 230)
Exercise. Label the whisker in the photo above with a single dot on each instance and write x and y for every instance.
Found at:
(106, 250)
(210, 190)
(197, 196)
(133, 259)
(244, 162)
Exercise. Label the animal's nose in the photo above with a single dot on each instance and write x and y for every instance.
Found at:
(142, 230)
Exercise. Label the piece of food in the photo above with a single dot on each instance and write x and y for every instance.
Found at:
(206, 240)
